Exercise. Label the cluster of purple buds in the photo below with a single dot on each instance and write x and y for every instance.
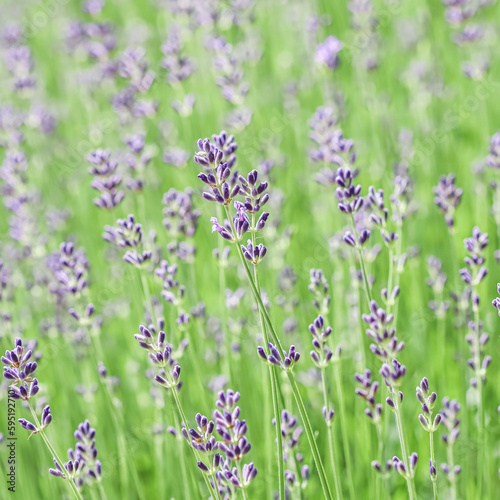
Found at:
(202, 439)
(230, 76)
(133, 67)
(428, 401)
(393, 377)
(218, 163)
(254, 193)
(286, 361)
(71, 269)
(437, 280)
(173, 292)
(493, 159)
(401, 468)
(96, 40)
(160, 353)
(322, 354)
(348, 194)
(368, 392)
(350, 239)
(106, 180)
(477, 340)
(178, 66)
(85, 318)
(19, 371)
(234, 444)
(386, 345)
(83, 465)
(180, 217)
(291, 432)
(19, 62)
(127, 234)
(383, 470)
(495, 302)
(252, 253)
(137, 160)
(460, 14)
(447, 197)
(318, 287)
(327, 53)
(476, 271)
(450, 420)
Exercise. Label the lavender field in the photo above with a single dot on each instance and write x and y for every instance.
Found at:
(250, 249)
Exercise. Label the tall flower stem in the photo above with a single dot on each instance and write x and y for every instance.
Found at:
(362, 262)
(343, 425)
(451, 463)
(54, 453)
(331, 444)
(222, 302)
(433, 461)
(380, 455)
(274, 388)
(402, 441)
(480, 407)
(243, 491)
(293, 384)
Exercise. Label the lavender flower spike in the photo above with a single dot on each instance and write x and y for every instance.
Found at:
(496, 302)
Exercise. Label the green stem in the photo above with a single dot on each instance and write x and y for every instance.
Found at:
(274, 388)
(433, 462)
(402, 441)
(243, 490)
(331, 444)
(451, 463)
(53, 452)
(362, 262)
(343, 425)
(480, 409)
(293, 384)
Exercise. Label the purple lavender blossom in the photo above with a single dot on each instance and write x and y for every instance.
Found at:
(328, 52)
(368, 393)
(447, 197)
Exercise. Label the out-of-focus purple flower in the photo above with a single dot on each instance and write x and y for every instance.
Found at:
(475, 246)
(447, 197)
(328, 52)
(368, 393)
(386, 345)
(496, 301)
(493, 159)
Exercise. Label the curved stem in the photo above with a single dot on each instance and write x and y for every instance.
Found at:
(274, 389)
(293, 384)
(53, 452)
(362, 262)
(402, 441)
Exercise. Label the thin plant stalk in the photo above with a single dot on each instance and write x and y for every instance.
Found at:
(480, 407)
(331, 443)
(343, 426)
(402, 441)
(433, 461)
(293, 384)
(362, 262)
(274, 389)
(53, 452)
